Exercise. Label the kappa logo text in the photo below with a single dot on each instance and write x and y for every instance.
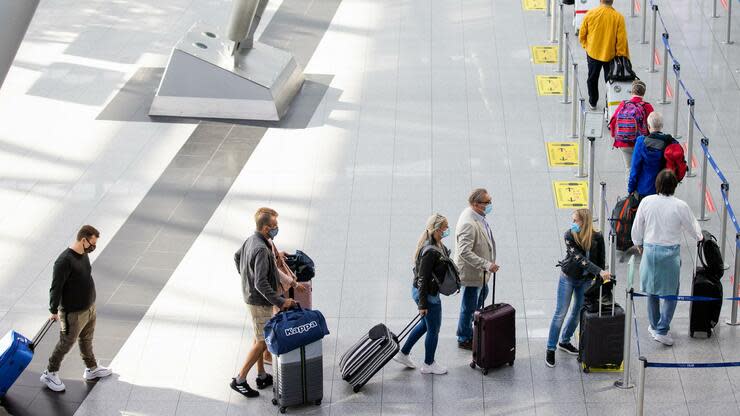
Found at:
(300, 329)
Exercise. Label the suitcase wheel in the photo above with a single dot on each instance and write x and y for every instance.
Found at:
(472, 365)
(274, 402)
(317, 402)
(511, 363)
(485, 371)
(283, 410)
(709, 333)
(691, 334)
(586, 370)
(356, 389)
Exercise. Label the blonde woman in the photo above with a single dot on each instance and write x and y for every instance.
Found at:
(425, 293)
(585, 258)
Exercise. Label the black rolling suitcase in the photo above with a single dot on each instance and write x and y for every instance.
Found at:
(601, 333)
(704, 315)
(371, 353)
(494, 335)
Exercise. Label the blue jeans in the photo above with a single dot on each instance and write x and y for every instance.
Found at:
(473, 298)
(568, 288)
(430, 324)
(660, 313)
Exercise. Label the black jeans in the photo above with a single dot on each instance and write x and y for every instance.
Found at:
(594, 67)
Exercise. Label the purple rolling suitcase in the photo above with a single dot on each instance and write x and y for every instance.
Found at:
(16, 352)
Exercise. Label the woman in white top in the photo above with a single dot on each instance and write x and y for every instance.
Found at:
(657, 231)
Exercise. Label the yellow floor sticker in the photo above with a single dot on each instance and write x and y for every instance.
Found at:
(562, 153)
(550, 84)
(607, 369)
(545, 54)
(571, 194)
(534, 4)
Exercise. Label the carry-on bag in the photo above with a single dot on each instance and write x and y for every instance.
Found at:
(371, 353)
(710, 256)
(494, 335)
(299, 377)
(704, 315)
(623, 215)
(305, 298)
(601, 336)
(620, 69)
(294, 328)
(579, 11)
(616, 92)
(16, 352)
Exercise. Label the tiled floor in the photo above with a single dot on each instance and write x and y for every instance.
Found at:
(414, 103)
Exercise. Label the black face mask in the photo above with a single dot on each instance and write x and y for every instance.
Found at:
(90, 248)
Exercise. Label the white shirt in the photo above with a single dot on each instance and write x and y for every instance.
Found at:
(660, 220)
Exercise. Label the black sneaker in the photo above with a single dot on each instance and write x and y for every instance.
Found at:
(244, 389)
(465, 345)
(550, 358)
(569, 348)
(263, 383)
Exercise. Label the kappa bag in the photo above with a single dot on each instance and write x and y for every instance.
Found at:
(675, 160)
(710, 256)
(620, 69)
(623, 215)
(293, 329)
(301, 265)
(630, 123)
(449, 284)
(16, 352)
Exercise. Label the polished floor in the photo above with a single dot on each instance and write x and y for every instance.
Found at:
(409, 105)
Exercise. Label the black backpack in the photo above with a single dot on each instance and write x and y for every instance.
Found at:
(301, 265)
(710, 256)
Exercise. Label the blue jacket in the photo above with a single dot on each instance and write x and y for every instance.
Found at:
(647, 162)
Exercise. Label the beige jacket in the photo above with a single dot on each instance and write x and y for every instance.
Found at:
(474, 251)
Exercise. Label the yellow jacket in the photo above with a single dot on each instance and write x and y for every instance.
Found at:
(603, 34)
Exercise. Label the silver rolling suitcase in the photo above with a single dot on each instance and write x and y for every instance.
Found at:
(299, 377)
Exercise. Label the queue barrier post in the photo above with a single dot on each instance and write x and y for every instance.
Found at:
(641, 388)
(566, 65)
(574, 102)
(553, 23)
(643, 10)
(602, 207)
(591, 171)
(664, 79)
(624, 382)
(690, 145)
(729, 22)
(736, 281)
(561, 29)
(714, 9)
(676, 94)
(632, 8)
(581, 141)
(548, 8)
(723, 226)
(702, 197)
(653, 37)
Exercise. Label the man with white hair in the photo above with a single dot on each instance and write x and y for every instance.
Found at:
(648, 158)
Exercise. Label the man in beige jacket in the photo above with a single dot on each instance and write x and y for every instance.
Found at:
(475, 256)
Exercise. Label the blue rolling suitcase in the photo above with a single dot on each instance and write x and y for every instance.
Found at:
(16, 352)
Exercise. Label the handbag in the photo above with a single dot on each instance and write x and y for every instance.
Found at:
(302, 265)
(620, 69)
(294, 328)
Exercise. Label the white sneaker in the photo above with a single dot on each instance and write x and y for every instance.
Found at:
(433, 368)
(97, 372)
(664, 339)
(52, 381)
(404, 359)
(652, 333)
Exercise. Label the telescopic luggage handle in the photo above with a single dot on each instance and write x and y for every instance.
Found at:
(601, 291)
(407, 330)
(40, 335)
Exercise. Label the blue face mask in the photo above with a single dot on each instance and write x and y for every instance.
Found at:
(446, 233)
(489, 209)
(575, 227)
(273, 232)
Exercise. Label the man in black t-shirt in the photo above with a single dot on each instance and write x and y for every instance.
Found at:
(72, 303)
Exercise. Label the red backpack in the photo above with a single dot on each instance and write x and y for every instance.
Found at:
(676, 160)
(630, 123)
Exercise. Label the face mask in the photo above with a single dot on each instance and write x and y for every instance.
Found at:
(488, 209)
(90, 248)
(446, 233)
(575, 227)
(273, 232)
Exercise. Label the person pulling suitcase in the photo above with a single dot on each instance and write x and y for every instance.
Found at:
(585, 258)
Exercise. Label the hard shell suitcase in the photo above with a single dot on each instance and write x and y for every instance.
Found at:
(371, 353)
(16, 352)
(579, 11)
(305, 299)
(704, 315)
(616, 92)
(494, 335)
(601, 337)
(299, 377)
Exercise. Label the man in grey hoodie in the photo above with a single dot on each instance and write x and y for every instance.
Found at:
(256, 265)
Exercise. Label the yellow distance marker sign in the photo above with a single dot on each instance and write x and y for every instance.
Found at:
(562, 153)
(550, 84)
(534, 4)
(545, 54)
(571, 194)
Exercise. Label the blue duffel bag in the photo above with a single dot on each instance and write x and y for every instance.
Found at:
(293, 329)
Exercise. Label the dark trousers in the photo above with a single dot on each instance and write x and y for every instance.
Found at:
(594, 67)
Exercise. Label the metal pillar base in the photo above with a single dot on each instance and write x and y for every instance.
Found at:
(621, 385)
(201, 79)
(729, 322)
